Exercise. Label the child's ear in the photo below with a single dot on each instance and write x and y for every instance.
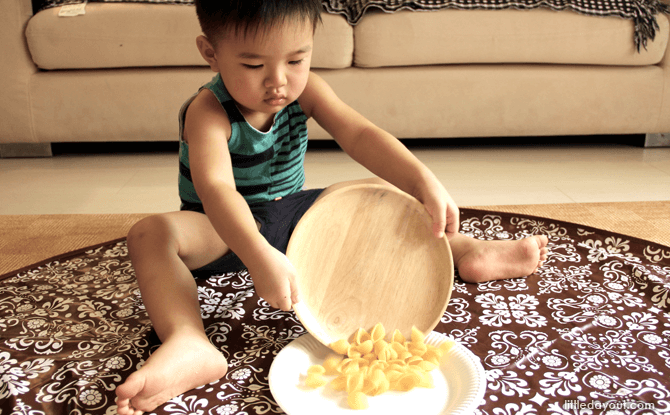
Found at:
(207, 52)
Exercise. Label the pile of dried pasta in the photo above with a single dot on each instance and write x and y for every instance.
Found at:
(373, 366)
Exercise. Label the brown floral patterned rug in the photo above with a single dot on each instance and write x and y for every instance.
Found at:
(590, 333)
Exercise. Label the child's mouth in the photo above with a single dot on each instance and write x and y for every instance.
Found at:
(276, 100)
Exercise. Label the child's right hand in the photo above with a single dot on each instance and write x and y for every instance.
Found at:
(274, 279)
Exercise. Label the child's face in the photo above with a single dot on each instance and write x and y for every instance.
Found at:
(267, 71)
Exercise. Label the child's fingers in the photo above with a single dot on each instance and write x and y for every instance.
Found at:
(442, 209)
(295, 296)
(439, 227)
(453, 220)
(285, 304)
(285, 296)
(439, 215)
(452, 229)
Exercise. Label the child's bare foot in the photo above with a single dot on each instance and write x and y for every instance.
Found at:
(481, 261)
(181, 363)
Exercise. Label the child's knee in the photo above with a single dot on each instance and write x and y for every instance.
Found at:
(151, 230)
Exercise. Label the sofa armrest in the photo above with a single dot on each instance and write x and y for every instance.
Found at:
(16, 68)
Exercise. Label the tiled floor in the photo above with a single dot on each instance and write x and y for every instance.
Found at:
(474, 175)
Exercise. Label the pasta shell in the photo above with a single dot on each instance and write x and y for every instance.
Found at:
(398, 337)
(315, 380)
(341, 346)
(331, 363)
(317, 369)
(417, 335)
(357, 400)
(378, 332)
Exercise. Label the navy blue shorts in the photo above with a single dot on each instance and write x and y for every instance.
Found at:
(278, 219)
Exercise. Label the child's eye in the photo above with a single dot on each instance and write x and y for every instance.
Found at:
(296, 62)
(252, 66)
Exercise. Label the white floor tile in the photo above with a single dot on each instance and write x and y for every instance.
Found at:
(592, 192)
(474, 175)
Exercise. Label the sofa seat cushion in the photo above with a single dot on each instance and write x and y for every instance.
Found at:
(452, 36)
(121, 35)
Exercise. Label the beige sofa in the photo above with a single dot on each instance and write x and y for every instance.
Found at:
(121, 71)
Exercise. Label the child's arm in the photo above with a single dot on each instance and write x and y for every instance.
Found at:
(379, 152)
(207, 129)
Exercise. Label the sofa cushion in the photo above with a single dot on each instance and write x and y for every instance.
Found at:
(115, 35)
(453, 36)
(503, 100)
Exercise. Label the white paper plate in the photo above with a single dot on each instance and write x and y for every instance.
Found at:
(460, 384)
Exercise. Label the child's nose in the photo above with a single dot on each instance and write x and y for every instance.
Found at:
(275, 79)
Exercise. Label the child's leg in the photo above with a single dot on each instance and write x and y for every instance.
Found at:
(163, 248)
(481, 261)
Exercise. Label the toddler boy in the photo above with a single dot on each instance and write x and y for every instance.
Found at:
(243, 137)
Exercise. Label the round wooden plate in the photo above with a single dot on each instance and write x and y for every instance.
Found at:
(366, 254)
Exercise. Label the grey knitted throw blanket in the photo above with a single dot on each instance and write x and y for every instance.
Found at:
(642, 12)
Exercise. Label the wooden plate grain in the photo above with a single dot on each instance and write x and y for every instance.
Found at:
(366, 254)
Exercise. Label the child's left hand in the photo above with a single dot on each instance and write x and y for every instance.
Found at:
(442, 208)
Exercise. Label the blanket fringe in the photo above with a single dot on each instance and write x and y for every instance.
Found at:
(642, 12)
(645, 12)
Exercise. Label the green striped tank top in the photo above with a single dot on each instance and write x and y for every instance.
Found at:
(265, 165)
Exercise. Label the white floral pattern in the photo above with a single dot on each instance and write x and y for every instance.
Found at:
(519, 309)
(15, 377)
(592, 324)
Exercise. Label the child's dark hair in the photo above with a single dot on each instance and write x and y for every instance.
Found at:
(251, 16)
